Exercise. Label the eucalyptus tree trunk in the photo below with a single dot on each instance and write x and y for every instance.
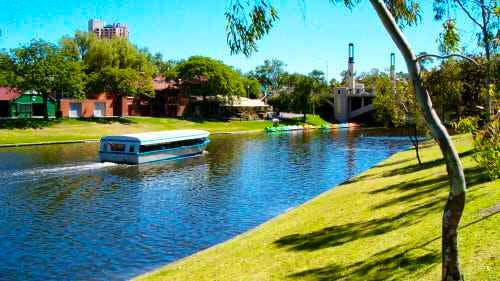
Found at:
(456, 199)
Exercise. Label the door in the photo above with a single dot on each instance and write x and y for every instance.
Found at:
(75, 110)
(99, 109)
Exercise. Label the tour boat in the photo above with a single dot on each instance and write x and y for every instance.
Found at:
(154, 146)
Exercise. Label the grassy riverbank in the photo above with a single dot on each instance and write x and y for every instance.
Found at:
(383, 225)
(37, 131)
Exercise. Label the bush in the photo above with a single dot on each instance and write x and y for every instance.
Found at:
(487, 147)
(467, 125)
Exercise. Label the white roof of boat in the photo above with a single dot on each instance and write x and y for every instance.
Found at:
(159, 137)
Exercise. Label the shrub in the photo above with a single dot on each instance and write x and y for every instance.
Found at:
(466, 125)
(487, 147)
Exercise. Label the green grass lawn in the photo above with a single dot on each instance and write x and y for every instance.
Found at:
(74, 130)
(383, 225)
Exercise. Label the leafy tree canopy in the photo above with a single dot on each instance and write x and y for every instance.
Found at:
(209, 77)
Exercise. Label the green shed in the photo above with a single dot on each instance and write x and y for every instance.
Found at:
(30, 104)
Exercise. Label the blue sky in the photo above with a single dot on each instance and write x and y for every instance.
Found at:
(311, 37)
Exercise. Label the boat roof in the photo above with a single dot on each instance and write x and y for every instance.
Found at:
(158, 137)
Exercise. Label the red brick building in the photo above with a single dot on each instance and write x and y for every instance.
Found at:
(95, 105)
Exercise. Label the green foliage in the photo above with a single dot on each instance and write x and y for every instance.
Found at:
(270, 74)
(252, 87)
(300, 93)
(249, 21)
(486, 27)
(166, 68)
(486, 142)
(44, 68)
(124, 81)
(446, 87)
(209, 77)
(7, 70)
(113, 65)
(449, 39)
(394, 102)
(487, 147)
(466, 125)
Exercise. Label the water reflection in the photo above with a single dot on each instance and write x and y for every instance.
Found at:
(67, 217)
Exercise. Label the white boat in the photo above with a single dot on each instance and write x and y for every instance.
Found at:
(154, 146)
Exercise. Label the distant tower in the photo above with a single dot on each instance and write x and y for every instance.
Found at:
(393, 71)
(351, 82)
(103, 30)
(95, 24)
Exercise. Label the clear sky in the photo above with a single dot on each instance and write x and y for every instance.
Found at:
(308, 37)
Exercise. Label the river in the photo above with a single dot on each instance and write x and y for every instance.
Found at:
(64, 216)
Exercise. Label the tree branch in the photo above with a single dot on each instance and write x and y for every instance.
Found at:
(421, 57)
(468, 13)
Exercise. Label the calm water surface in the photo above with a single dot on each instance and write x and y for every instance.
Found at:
(63, 216)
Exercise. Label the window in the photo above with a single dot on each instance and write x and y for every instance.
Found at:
(131, 148)
(170, 145)
(24, 108)
(117, 147)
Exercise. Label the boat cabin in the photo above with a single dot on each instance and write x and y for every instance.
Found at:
(154, 146)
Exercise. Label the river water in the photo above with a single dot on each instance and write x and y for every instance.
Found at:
(64, 216)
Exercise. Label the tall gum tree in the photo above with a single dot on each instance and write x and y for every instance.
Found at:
(249, 21)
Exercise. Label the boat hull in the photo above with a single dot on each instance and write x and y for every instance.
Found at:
(168, 154)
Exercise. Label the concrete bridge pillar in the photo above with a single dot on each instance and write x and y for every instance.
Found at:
(341, 103)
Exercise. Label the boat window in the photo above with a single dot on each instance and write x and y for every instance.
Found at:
(117, 147)
(170, 145)
(131, 148)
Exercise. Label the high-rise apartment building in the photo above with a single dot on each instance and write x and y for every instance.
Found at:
(103, 30)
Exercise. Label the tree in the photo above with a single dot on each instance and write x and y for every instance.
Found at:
(483, 14)
(302, 93)
(209, 77)
(318, 76)
(7, 70)
(113, 65)
(269, 74)
(253, 87)
(395, 106)
(248, 22)
(43, 68)
(320, 92)
(446, 87)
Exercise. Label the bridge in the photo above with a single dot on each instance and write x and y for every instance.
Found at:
(351, 100)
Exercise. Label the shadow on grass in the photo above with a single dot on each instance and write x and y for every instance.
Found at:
(395, 263)
(107, 120)
(429, 187)
(426, 165)
(395, 162)
(39, 123)
(201, 120)
(27, 123)
(340, 234)
(410, 168)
